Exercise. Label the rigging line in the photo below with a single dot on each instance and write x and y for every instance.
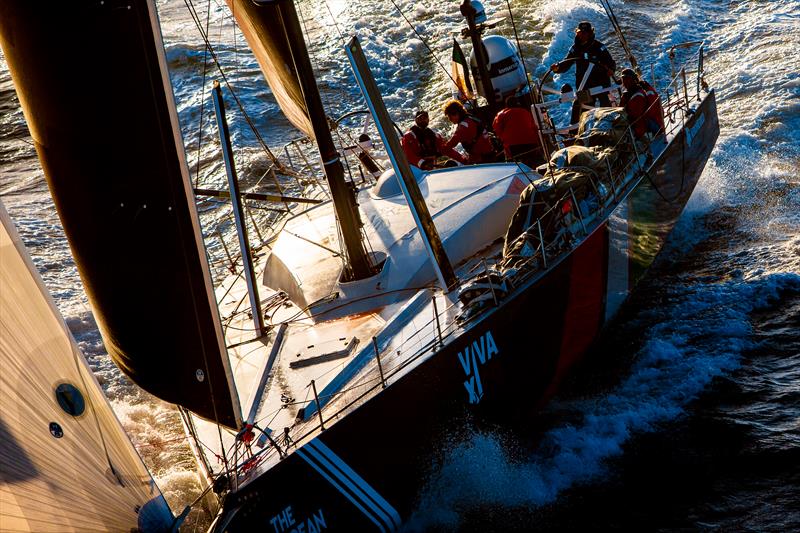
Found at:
(202, 95)
(335, 24)
(618, 30)
(74, 350)
(236, 67)
(200, 455)
(239, 104)
(519, 48)
(435, 57)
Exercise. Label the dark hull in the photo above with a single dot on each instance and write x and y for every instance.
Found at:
(365, 471)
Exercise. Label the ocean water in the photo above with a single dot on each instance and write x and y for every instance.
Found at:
(686, 415)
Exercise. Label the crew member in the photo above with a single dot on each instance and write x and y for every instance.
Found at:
(587, 52)
(634, 100)
(470, 132)
(655, 111)
(514, 125)
(422, 145)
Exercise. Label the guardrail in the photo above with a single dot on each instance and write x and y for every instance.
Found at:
(572, 227)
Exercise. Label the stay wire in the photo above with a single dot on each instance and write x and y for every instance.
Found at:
(80, 370)
(519, 48)
(235, 96)
(335, 24)
(430, 51)
(202, 99)
(618, 30)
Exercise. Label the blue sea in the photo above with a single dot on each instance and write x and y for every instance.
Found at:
(686, 414)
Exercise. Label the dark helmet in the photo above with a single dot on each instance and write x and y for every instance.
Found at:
(420, 113)
(629, 73)
(585, 25)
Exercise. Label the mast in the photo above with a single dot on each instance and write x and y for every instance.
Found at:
(481, 57)
(358, 264)
(419, 210)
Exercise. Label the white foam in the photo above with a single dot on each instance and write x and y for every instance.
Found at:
(700, 336)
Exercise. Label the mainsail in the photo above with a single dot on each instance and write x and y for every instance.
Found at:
(106, 131)
(262, 26)
(67, 468)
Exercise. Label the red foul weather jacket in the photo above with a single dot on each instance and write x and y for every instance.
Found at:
(419, 144)
(515, 126)
(635, 103)
(475, 140)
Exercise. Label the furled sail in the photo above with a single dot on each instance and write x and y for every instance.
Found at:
(262, 26)
(65, 462)
(106, 131)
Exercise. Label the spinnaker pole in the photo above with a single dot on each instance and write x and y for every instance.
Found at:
(408, 184)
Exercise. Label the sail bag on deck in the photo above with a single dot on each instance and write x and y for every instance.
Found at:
(602, 126)
(106, 132)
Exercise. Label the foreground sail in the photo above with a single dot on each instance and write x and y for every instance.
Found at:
(106, 131)
(65, 463)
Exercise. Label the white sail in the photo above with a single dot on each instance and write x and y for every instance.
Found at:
(58, 471)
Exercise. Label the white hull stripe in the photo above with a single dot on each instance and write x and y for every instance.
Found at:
(351, 474)
(351, 485)
(333, 482)
(357, 485)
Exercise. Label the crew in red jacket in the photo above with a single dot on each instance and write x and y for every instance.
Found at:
(515, 126)
(655, 111)
(634, 100)
(422, 145)
(470, 132)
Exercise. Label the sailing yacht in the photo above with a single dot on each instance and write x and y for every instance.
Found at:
(317, 385)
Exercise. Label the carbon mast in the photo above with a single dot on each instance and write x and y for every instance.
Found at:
(358, 264)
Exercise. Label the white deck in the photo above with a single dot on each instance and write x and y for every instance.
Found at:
(471, 208)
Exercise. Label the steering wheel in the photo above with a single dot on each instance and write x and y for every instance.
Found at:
(582, 94)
